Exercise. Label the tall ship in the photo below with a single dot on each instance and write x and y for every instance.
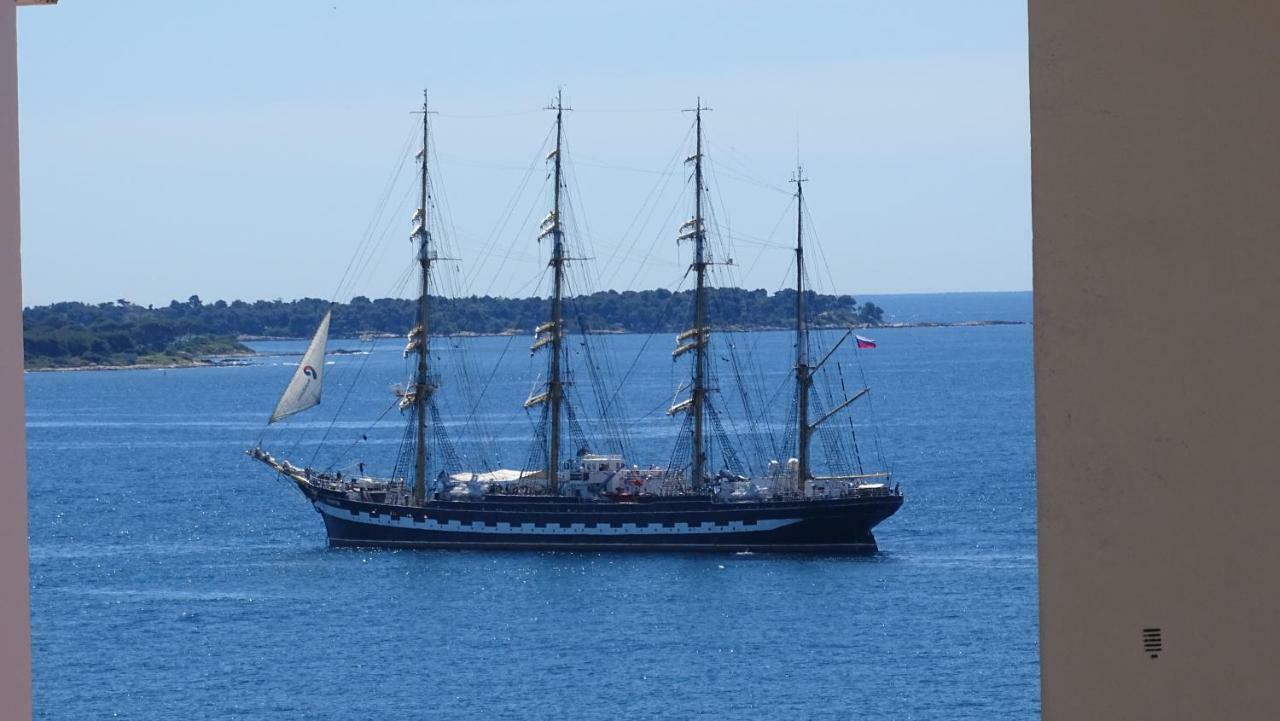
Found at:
(570, 495)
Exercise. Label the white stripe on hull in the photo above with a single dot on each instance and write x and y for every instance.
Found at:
(646, 546)
(556, 529)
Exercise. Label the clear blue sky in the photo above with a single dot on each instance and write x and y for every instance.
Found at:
(239, 149)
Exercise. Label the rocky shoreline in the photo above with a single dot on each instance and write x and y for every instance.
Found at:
(210, 362)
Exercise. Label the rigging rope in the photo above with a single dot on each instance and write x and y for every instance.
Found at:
(730, 457)
(363, 436)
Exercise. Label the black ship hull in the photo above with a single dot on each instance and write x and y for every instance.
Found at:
(839, 525)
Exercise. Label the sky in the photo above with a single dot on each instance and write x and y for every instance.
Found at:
(250, 149)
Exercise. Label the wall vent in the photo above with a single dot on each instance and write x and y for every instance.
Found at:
(1152, 642)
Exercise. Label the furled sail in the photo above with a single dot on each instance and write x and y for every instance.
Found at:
(304, 390)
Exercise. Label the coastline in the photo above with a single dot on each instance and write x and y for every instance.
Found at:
(218, 361)
(730, 328)
(236, 360)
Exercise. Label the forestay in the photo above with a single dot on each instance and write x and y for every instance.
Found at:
(304, 389)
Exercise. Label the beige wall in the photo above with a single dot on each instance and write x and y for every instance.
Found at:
(15, 629)
(1156, 194)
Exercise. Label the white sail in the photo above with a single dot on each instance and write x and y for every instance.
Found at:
(304, 389)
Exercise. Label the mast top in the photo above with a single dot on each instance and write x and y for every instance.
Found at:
(558, 105)
(798, 177)
(425, 107)
(697, 108)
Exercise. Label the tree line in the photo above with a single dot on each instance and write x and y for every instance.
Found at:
(123, 331)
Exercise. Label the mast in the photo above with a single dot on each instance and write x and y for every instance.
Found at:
(697, 467)
(698, 337)
(555, 385)
(804, 378)
(421, 384)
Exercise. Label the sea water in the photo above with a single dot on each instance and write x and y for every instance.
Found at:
(174, 578)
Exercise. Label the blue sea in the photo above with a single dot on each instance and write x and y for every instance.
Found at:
(174, 578)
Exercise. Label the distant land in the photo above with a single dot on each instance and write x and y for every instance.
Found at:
(192, 332)
(962, 307)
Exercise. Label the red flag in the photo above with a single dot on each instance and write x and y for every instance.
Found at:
(864, 342)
